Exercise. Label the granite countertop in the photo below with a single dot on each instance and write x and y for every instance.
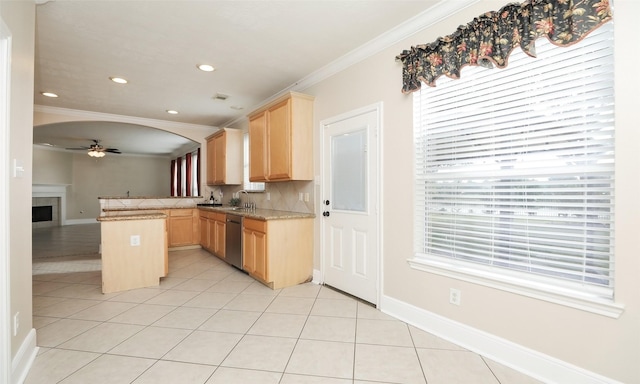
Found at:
(122, 216)
(260, 214)
(149, 197)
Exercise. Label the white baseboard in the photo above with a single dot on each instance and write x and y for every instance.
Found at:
(80, 221)
(532, 363)
(24, 358)
(317, 277)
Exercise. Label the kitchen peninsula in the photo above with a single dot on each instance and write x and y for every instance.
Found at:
(135, 239)
(137, 233)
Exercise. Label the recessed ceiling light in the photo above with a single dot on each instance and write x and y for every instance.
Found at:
(171, 111)
(206, 67)
(48, 94)
(118, 80)
(236, 107)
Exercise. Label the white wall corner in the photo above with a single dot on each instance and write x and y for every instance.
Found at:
(24, 358)
(317, 277)
(532, 363)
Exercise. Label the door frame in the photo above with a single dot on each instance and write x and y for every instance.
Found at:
(377, 140)
(5, 287)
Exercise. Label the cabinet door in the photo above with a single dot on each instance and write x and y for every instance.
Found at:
(220, 232)
(248, 251)
(257, 148)
(204, 232)
(279, 141)
(261, 270)
(211, 229)
(181, 231)
(211, 149)
(219, 156)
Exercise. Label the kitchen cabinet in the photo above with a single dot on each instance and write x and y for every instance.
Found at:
(279, 253)
(212, 232)
(254, 248)
(183, 227)
(224, 157)
(281, 139)
(125, 266)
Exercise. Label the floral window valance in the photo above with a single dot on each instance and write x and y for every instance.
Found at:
(490, 38)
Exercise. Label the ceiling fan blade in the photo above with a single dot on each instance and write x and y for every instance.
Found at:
(112, 150)
(79, 148)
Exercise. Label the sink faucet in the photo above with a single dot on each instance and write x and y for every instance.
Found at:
(247, 203)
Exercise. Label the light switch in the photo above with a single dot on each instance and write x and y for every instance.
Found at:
(18, 169)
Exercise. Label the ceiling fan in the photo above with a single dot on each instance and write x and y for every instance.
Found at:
(97, 150)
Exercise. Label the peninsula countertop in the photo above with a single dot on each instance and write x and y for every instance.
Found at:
(138, 213)
(258, 213)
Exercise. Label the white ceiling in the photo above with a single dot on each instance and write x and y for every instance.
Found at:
(259, 49)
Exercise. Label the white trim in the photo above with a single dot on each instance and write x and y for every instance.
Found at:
(538, 365)
(81, 221)
(421, 21)
(378, 137)
(5, 287)
(317, 277)
(24, 358)
(520, 286)
(99, 116)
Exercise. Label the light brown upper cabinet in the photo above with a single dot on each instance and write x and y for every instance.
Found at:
(224, 157)
(281, 139)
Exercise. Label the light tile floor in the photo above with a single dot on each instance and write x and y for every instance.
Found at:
(209, 323)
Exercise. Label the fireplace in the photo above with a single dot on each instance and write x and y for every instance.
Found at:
(48, 206)
(42, 213)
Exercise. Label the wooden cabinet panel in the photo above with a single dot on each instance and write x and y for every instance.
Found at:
(254, 249)
(281, 140)
(257, 148)
(213, 228)
(224, 157)
(183, 227)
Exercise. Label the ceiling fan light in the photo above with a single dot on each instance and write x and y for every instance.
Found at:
(94, 153)
(118, 80)
(48, 94)
(206, 67)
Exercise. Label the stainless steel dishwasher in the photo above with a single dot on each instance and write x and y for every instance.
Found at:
(233, 241)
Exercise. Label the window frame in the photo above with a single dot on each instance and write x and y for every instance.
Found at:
(535, 286)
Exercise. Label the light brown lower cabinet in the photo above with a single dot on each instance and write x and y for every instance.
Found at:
(279, 253)
(213, 232)
(182, 227)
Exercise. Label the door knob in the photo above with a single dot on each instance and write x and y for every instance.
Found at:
(326, 202)
(325, 213)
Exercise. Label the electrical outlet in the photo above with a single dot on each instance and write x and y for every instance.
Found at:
(268, 196)
(135, 240)
(301, 196)
(455, 296)
(16, 323)
(306, 197)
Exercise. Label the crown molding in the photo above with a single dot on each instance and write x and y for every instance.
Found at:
(100, 116)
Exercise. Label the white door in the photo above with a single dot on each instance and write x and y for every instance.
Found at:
(349, 204)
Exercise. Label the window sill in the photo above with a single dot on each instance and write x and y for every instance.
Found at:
(518, 286)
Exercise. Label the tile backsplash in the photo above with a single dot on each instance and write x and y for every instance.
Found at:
(282, 196)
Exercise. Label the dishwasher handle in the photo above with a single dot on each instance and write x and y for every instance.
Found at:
(235, 220)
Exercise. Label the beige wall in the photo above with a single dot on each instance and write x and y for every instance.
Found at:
(606, 346)
(52, 167)
(88, 178)
(20, 18)
(197, 133)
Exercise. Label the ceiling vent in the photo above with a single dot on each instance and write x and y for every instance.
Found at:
(220, 96)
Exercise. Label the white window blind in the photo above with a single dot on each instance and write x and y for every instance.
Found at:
(514, 167)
